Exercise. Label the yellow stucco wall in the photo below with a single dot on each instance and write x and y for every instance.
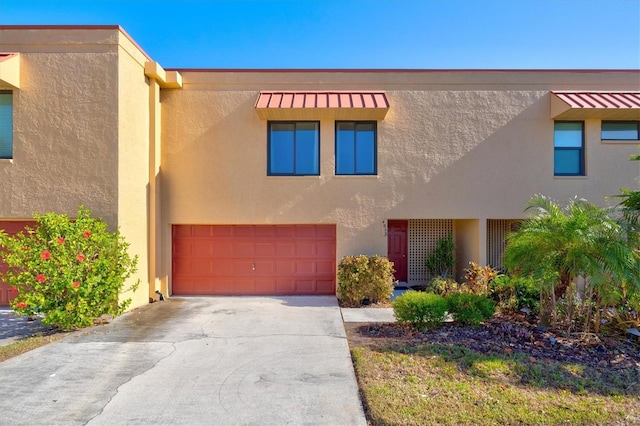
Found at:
(133, 161)
(461, 145)
(81, 132)
(455, 145)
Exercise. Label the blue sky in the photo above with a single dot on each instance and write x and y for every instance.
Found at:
(467, 34)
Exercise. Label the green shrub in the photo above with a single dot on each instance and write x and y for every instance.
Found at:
(379, 279)
(69, 271)
(469, 308)
(365, 277)
(513, 293)
(442, 259)
(421, 310)
(443, 286)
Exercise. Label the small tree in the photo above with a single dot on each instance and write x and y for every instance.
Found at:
(69, 271)
(441, 260)
(557, 245)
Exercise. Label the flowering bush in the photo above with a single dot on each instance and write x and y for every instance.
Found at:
(69, 271)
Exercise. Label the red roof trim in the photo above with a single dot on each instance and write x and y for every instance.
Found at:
(321, 99)
(600, 100)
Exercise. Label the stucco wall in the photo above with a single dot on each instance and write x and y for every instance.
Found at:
(81, 132)
(456, 145)
(65, 135)
(133, 163)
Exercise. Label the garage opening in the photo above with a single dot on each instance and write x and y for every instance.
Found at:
(253, 259)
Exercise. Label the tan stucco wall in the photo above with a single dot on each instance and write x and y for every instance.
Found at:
(80, 132)
(457, 145)
(133, 162)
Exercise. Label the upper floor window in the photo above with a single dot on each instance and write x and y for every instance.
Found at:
(293, 148)
(356, 148)
(620, 130)
(568, 142)
(6, 124)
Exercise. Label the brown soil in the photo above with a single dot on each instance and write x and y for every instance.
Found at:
(508, 335)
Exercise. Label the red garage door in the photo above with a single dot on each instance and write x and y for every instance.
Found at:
(10, 227)
(254, 259)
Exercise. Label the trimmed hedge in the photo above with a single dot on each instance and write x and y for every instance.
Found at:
(365, 277)
(421, 310)
(469, 308)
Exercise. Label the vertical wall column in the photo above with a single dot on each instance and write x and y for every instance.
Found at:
(155, 240)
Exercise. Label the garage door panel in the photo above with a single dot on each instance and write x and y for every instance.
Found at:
(265, 249)
(285, 231)
(285, 249)
(182, 248)
(222, 267)
(325, 286)
(254, 259)
(201, 248)
(244, 249)
(219, 231)
(325, 249)
(327, 268)
(285, 268)
(265, 232)
(305, 249)
(201, 231)
(326, 232)
(305, 267)
(305, 286)
(222, 249)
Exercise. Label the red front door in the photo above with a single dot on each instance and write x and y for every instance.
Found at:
(397, 247)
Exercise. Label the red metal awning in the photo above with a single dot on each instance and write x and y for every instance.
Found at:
(297, 105)
(591, 104)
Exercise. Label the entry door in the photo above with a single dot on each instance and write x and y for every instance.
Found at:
(398, 247)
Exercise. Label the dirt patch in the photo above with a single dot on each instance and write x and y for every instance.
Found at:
(507, 335)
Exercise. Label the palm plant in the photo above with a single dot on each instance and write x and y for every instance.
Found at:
(630, 203)
(556, 245)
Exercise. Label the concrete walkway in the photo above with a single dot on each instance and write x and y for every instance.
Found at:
(368, 315)
(193, 361)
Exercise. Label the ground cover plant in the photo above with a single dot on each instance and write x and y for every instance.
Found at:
(505, 371)
(69, 271)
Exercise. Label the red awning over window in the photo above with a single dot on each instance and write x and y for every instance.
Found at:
(308, 105)
(604, 105)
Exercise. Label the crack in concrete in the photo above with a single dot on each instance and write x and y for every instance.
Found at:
(173, 345)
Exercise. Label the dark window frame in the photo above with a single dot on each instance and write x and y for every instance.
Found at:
(355, 156)
(10, 156)
(637, 123)
(294, 123)
(581, 150)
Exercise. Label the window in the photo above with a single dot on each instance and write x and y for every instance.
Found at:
(568, 148)
(356, 148)
(6, 124)
(294, 148)
(620, 130)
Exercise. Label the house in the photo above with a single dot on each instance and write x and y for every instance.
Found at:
(259, 181)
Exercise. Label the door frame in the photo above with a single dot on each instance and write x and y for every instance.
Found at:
(403, 226)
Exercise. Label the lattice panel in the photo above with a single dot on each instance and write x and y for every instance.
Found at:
(423, 237)
(497, 231)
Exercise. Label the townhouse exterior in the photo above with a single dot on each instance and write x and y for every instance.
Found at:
(260, 181)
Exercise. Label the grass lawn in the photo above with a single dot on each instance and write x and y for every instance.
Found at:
(404, 383)
(28, 343)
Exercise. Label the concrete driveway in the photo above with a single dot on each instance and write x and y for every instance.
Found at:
(189, 361)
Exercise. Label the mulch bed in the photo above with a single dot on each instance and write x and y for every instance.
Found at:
(506, 335)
